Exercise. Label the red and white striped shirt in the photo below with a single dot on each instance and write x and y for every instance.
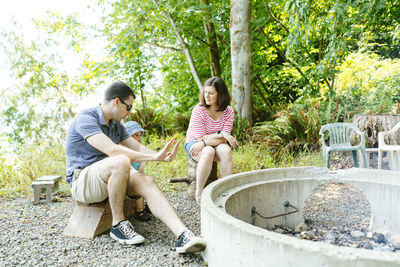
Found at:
(202, 124)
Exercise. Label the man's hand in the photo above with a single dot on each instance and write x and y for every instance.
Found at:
(164, 154)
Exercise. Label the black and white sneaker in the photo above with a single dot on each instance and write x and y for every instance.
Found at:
(124, 233)
(189, 243)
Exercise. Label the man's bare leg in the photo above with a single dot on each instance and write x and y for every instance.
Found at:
(144, 185)
(115, 172)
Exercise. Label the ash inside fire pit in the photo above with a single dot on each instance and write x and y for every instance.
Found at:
(338, 214)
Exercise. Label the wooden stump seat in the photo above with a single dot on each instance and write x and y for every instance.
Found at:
(91, 220)
(190, 179)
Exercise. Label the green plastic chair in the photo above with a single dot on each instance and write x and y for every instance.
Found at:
(339, 140)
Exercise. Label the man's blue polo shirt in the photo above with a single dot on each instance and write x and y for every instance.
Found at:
(88, 122)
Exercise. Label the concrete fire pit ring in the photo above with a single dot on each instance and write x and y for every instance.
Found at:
(233, 241)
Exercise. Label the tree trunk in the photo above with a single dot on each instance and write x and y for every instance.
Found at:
(371, 124)
(211, 41)
(242, 90)
(184, 46)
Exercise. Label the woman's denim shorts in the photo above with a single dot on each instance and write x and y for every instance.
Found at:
(188, 145)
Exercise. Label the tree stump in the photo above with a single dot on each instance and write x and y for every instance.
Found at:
(91, 220)
(190, 179)
(371, 124)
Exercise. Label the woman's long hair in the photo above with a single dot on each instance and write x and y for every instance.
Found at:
(224, 98)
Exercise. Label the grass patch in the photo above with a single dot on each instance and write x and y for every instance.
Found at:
(34, 162)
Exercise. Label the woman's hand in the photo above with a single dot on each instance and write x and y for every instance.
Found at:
(231, 140)
(196, 148)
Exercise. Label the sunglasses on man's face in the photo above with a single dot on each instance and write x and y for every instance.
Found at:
(128, 107)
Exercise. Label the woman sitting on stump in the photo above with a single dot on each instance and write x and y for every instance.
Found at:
(208, 137)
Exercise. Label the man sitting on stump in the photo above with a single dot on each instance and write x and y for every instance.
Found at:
(99, 156)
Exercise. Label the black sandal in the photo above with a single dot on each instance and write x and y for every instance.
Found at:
(147, 209)
(142, 216)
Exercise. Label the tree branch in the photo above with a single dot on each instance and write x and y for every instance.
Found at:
(280, 52)
(273, 17)
(184, 46)
(265, 88)
(165, 47)
(262, 96)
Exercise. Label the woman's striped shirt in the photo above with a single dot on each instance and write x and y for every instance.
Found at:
(202, 124)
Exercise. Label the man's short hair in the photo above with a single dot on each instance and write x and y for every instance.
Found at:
(118, 90)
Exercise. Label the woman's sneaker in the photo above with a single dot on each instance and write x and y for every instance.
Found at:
(124, 233)
(189, 243)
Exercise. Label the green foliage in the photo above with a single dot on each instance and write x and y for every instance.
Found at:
(38, 106)
(142, 39)
(331, 111)
(160, 121)
(11, 182)
(241, 130)
(32, 162)
(381, 31)
(47, 159)
(152, 120)
(162, 171)
(368, 84)
(251, 156)
(295, 128)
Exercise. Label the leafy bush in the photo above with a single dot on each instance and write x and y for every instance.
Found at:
(241, 130)
(368, 84)
(11, 182)
(32, 162)
(161, 121)
(295, 128)
(152, 120)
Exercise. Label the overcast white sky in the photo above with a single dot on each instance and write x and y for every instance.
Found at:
(25, 10)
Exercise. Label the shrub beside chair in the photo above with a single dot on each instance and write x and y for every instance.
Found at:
(339, 140)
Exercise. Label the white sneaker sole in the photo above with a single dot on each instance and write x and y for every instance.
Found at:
(136, 240)
(193, 246)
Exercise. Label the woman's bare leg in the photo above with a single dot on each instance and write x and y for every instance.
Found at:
(224, 153)
(205, 160)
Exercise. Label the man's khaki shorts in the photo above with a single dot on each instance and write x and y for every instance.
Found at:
(88, 186)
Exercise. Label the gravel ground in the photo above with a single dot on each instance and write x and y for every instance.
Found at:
(337, 205)
(344, 160)
(32, 236)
